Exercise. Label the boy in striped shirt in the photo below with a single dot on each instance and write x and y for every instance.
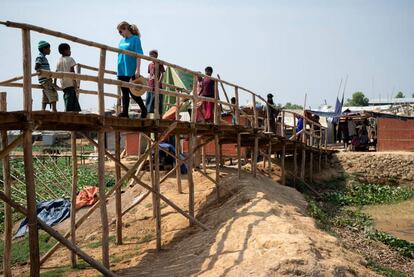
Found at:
(50, 95)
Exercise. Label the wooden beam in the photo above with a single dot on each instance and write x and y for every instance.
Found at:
(118, 202)
(31, 205)
(178, 151)
(8, 220)
(224, 90)
(311, 166)
(157, 190)
(73, 196)
(191, 144)
(303, 164)
(238, 155)
(100, 80)
(217, 178)
(295, 163)
(61, 239)
(269, 159)
(27, 75)
(282, 164)
(102, 197)
(255, 155)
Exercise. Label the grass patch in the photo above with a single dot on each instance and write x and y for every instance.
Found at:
(389, 272)
(20, 248)
(146, 238)
(97, 244)
(341, 206)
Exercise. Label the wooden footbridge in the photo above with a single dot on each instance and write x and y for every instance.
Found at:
(254, 133)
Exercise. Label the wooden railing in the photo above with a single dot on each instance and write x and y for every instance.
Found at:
(309, 135)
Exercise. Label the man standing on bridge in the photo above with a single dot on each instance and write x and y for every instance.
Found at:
(272, 114)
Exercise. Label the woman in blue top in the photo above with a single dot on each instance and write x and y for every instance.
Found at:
(128, 66)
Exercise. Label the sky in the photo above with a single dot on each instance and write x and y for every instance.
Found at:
(287, 47)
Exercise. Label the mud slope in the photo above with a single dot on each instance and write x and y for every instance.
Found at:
(260, 230)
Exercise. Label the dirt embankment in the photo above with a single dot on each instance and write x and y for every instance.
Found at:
(260, 228)
(377, 167)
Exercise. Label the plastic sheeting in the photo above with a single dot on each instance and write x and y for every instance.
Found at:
(170, 148)
(51, 212)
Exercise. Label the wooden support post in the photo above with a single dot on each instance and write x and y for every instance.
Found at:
(282, 164)
(28, 159)
(217, 150)
(303, 163)
(178, 149)
(78, 71)
(311, 166)
(217, 113)
(156, 183)
(269, 157)
(239, 155)
(282, 127)
(319, 160)
(31, 205)
(104, 214)
(191, 145)
(101, 76)
(295, 163)
(73, 196)
(8, 221)
(255, 155)
(118, 198)
(157, 111)
(203, 158)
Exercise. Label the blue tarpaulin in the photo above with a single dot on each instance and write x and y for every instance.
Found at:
(51, 212)
(170, 148)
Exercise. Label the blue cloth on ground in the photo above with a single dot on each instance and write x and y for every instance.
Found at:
(51, 212)
(170, 148)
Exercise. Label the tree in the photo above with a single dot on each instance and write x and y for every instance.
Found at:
(358, 99)
(412, 95)
(291, 106)
(400, 95)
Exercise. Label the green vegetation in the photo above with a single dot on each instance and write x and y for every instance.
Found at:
(358, 99)
(400, 94)
(341, 206)
(20, 248)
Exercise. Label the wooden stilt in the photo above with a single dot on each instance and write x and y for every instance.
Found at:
(151, 144)
(255, 155)
(190, 164)
(73, 196)
(269, 158)
(31, 205)
(104, 214)
(118, 202)
(282, 164)
(178, 163)
(203, 158)
(28, 159)
(319, 160)
(238, 155)
(8, 221)
(295, 163)
(217, 152)
(156, 183)
(311, 166)
(303, 164)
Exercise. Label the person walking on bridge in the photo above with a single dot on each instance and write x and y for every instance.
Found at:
(129, 67)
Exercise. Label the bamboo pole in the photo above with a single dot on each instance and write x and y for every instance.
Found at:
(216, 105)
(73, 196)
(269, 157)
(238, 155)
(27, 76)
(217, 178)
(178, 150)
(118, 202)
(31, 205)
(283, 164)
(224, 90)
(18, 78)
(311, 166)
(100, 80)
(102, 197)
(8, 148)
(255, 155)
(157, 112)
(8, 220)
(303, 163)
(191, 144)
(28, 159)
(157, 189)
(59, 237)
(295, 163)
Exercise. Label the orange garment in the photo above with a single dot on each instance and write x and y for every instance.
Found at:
(87, 197)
